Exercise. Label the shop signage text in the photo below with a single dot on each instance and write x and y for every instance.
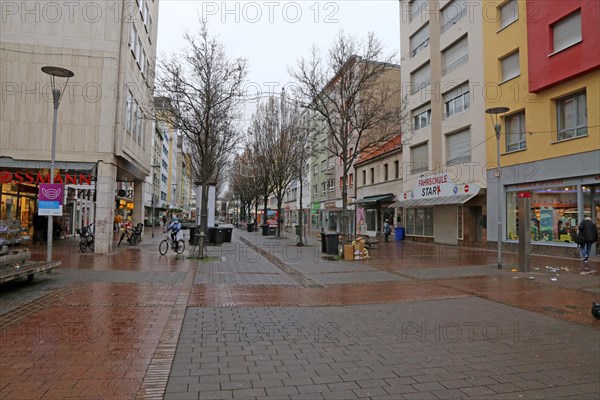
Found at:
(37, 178)
(439, 186)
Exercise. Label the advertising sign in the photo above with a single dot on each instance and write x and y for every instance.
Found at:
(50, 199)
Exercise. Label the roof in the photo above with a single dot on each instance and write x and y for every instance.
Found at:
(394, 144)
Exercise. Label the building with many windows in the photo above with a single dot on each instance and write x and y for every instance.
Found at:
(444, 181)
(104, 129)
(547, 65)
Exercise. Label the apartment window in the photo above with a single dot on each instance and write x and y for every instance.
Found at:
(571, 113)
(385, 172)
(315, 170)
(421, 78)
(128, 112)
(331, 163)
(372, 175)
(143, 61)
(396, 169)
(138, 48)
(341, 183)
(415, 7)
(510, 66)
(567, 31)
(364, 177)
(351, 180)
(515, 132)
(455, 55)
(133, 118)
(453, 13)
(421, 117)
(315, 190)
(149, 26)
(457, 100)
(458, 147)
(132, 37)
(419, 156)
(420, 40)
(509, 13)
(331, 184)
(323, 187)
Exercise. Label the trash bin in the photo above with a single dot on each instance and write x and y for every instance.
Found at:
(399, 233)
(193, 238)
(333, 241)
(265, 230)
(211, 232)
(323, 243)
(272, 230)
(250, 227)
(228, 234)
(219, 235)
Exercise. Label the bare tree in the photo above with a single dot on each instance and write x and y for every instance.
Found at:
(356, 93)
(244, 182)
(277, 136)
(204, 89)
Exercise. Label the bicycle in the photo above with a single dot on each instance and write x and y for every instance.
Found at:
(87, 238)
(178, 246)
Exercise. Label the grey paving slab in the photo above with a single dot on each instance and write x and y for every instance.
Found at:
(457, 348)
(355, 277)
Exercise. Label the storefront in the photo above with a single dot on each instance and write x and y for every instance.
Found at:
(19, 182)
(442, 211)
(557, 208)
(371, 213)
(563, 191)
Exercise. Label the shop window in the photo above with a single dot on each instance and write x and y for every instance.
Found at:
(371, 219)
(419, 222)
(571, 113)
(553, 214)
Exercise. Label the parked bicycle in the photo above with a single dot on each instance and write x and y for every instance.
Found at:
(87, 238)
(133, 235)
(178, 246)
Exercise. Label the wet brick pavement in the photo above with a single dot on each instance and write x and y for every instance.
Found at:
(265, 319)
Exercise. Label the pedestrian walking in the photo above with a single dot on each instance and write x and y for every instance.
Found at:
(117, 222)
(387, 230)
(589, 231)
(164, 220)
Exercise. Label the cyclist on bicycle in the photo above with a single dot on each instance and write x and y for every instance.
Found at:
(174, 227)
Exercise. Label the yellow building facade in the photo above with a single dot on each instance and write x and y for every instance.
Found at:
(539, 67)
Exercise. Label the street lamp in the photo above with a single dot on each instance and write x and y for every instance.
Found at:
(494, 114)
(154, 196)
(54, 72)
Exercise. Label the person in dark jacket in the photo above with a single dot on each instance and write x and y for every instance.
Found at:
(589, 231)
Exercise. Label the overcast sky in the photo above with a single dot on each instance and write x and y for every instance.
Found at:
(273, 35)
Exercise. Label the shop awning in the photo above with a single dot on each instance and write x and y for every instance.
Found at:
(373, 199)
(434, 201)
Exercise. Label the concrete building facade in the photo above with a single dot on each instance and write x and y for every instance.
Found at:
(104, 119)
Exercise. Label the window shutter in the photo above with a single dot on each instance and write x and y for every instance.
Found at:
(459, 147)
(567, 31)
(510, 66)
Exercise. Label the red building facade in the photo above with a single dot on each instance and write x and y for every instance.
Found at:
(563, 40)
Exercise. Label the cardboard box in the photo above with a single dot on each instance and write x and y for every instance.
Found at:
(349, 252)
(360, 245)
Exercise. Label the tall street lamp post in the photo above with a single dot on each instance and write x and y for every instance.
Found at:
(54, 72)
(494, 114)
(154, 196)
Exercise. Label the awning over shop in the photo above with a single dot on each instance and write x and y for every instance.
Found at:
(434, 201)
(373, 199)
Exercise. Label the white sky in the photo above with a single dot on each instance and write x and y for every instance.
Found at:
(273, 35)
